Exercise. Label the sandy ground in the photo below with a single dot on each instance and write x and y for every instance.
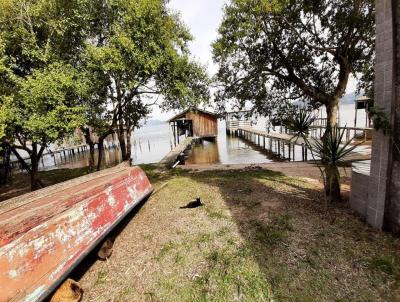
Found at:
(307, 171)
(295, 169)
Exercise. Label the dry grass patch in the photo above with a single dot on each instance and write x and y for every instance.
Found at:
(260, 236)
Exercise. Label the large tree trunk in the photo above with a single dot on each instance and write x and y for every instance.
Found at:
(91, 156)
(89, 141)
(121, 135)
(129, 143)
(332, 185)
(332, 114)
(100, 148)
(21, 161)
(122, 144)
(35, 156)
(35, 184)
(6, 164)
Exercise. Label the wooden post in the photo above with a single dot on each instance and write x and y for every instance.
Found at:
(355, 116)
(294, 147)
(279, 147)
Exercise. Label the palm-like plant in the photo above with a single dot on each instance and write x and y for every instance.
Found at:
(332, 153)
(300, 122)
(330, 149)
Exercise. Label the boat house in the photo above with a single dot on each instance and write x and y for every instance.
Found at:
(196, 123)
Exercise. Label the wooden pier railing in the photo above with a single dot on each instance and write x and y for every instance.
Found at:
(287, 146)
(350, 132)
(236, 124)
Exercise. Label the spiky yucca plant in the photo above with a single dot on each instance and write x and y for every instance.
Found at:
(300, 122)
(332, 153)
(329, 149)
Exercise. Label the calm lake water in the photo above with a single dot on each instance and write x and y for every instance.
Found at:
(154, 140)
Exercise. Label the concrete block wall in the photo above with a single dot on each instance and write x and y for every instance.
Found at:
(359, 193)
(383, 201)
(392, 212)
(359, 187)
(384, 77)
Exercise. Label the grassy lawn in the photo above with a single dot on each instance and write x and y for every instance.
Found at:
(261, 236)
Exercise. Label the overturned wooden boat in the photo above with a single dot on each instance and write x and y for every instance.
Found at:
(45, 234)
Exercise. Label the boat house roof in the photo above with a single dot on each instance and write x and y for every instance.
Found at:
(182, 114)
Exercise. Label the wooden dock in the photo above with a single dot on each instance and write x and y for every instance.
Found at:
(285, 145)
(66, 151)
(172, 156)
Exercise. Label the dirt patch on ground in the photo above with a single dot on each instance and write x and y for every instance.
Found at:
(296, 169)
(260, 235)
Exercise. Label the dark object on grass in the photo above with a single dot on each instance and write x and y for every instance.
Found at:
(193, 204)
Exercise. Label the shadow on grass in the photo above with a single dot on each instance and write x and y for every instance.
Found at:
(305, 251)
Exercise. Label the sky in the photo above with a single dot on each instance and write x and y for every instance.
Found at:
(203, 18)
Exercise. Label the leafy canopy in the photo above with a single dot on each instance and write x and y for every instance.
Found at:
(40, 43)
(141, 47)
(47, 105)
(272, 52)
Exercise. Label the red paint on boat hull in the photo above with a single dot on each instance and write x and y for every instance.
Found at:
(43, 239)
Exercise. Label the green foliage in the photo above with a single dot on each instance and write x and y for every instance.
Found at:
(283, 51)
(47, 106)
(367, 79)
(96, 63)
(39, 88)
(300, 122)
(142, 49)
(36, 33)
(379, 119)
(332, 150)
(137, 51)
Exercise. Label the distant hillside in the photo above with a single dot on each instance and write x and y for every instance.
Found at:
(152, 122)
(349, 98)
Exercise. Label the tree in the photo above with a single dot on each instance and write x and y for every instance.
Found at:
(140, 49)
(43, 112)
(293, 50)
(40, 45)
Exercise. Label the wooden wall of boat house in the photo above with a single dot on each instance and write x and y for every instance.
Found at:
(204, 125)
